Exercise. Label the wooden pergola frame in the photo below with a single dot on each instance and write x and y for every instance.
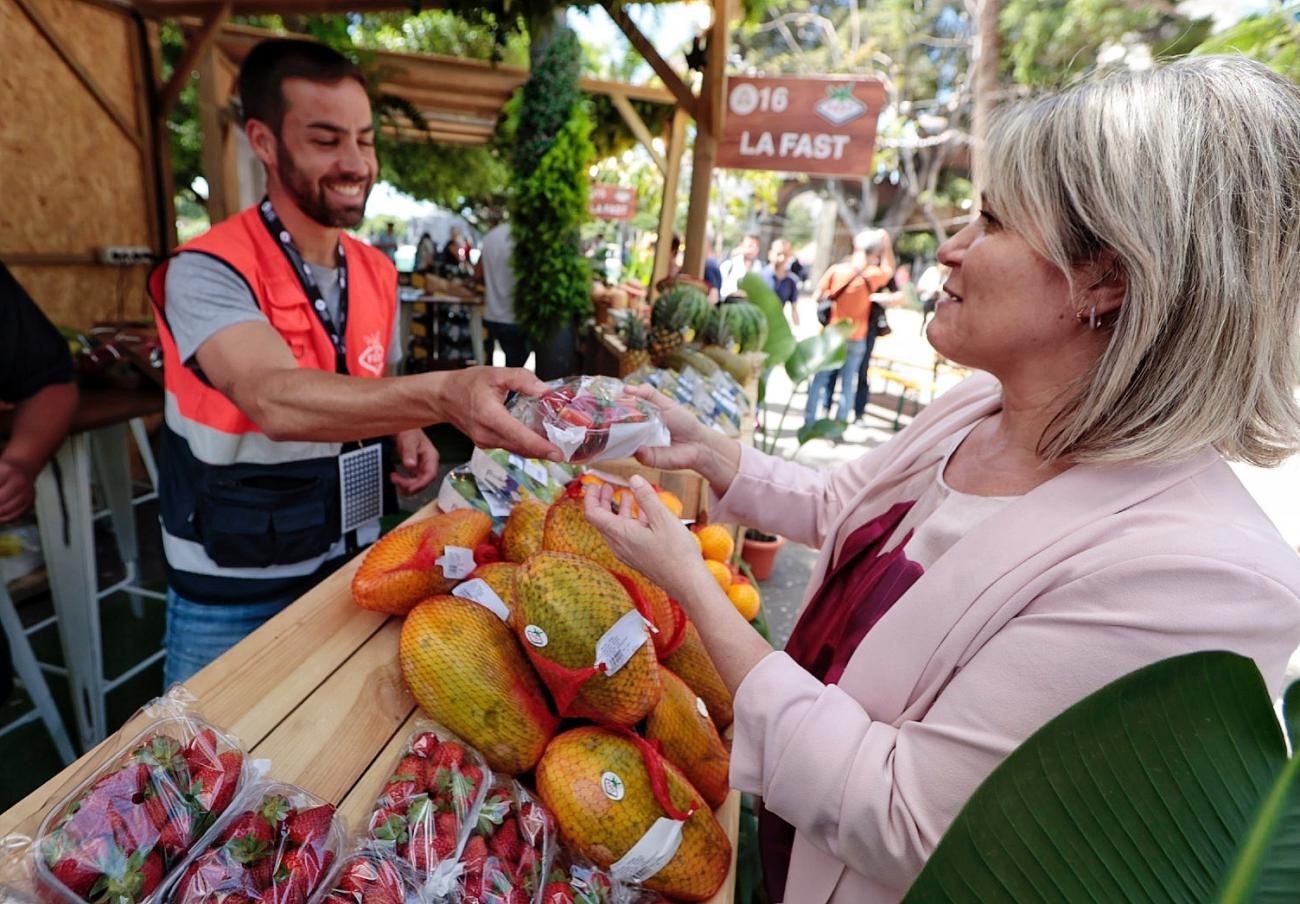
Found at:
(465, 115)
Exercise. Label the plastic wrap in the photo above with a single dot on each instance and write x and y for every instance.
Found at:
(368, 874)
(425, 813)
(592, 418)
(275, 846)
(508, 855)
(123, 832)
(494, 481)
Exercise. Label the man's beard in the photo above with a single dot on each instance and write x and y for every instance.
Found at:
(310, 197)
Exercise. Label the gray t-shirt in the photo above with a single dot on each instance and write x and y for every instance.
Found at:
(204, 296)
(498, 275)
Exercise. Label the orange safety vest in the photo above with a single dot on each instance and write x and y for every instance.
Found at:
(245, 517)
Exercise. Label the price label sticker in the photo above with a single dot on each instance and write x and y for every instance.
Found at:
(699, 705)
(481, 592)
(617, 645)
(536, 636)
(612, 785)
(651, 853)
(456, 562)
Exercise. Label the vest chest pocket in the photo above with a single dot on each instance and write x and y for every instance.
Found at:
(255, 520)
(294, 323)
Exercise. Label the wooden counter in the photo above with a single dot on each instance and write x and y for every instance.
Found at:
(318, 691)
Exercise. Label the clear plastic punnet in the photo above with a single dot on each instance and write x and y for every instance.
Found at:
(592, 418)
(509, 853)
(370, 873)
(122, 833)
(426, 810)
(275, 846)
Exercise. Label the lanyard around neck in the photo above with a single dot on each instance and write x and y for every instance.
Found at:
(337, 332)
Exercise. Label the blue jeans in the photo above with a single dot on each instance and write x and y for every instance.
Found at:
(848, 376)
(198, 633)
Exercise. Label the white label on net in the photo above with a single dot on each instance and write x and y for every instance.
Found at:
(481, 592)
(536, 470)
(535, 635)
(699, 704)
(456, 562)
(612, 785)
(617, 645)
(651, 854)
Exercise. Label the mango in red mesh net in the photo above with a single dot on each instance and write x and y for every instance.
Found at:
(691, 662)
(606, 791)
(466, 670)
(689, 739)
(565, 605)
(522, 535)
(408, 564)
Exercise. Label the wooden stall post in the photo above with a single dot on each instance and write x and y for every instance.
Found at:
(668, 207)
(707, 131)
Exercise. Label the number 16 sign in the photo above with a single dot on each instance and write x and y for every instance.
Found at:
(801, 125)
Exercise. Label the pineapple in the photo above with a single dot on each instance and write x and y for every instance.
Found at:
(632, 332)
(675, 311)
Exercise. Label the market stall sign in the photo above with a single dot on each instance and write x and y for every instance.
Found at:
(612, 202)
(801, 125)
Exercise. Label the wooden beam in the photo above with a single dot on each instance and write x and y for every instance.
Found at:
(84, 76)
(708, 129)
(170, 9)
(638, 127)
(51, 259)
(213, 97)
(651, 93)
(160, 137)
(671, 79)
(424, 137)
(445, 128)
(668, 206)
(197, 46)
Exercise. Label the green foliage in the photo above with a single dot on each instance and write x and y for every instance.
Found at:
(549, 98)
(1172, 783)
(1273, 38)
(549, 206)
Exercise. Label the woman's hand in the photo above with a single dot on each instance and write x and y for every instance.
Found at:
(694, 446)
(654, 542)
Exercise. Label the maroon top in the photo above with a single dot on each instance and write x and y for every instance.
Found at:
(859, 588)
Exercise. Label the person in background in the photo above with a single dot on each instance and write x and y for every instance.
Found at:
(744, 260)
(497, 270)
(712, 273)
(426, 254)
(277, 331)
(781, 278)
(455, 254)
(892, 295)
(1062, 518)
(850, 283)
(387, 242)
(37, 388)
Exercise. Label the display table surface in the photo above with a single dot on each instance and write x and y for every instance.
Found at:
(318, 691)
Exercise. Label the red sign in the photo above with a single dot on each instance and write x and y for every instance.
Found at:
(801, 125)
(610, 202)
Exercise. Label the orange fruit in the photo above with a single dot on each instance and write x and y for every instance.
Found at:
(716, 542)
(698, 541)
(721, 573)
(671, 502)
(746, 599)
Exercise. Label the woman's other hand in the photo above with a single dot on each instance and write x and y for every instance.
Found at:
(654, 542)
(694, 446)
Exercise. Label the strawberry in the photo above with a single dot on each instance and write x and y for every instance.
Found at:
(473, 776)
(506, 842)
(412, 768)
(260, 873)
(449, 756)
(249, 825)
(202, 749)
(160, 750)
(292, 890)
(132, 827)
(425, 744)
(310, 826)
(389, 824)
(303, 861)
(275, 809)
(151, 873)
(77, 873)
(448, 824)
(557, 893)
(238, 897)
(475, 854)
(232, 763)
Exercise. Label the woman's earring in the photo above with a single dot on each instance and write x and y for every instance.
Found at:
(1092, 318)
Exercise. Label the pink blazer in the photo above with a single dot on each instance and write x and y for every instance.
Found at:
(1099, 571)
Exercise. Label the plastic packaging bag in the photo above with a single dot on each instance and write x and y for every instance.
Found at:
(368, 874)
(425, 813)
(508, 855)
(275, 846)
(592, 418)
(122, 832)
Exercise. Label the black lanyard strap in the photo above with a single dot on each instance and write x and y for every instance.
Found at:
(337, 332)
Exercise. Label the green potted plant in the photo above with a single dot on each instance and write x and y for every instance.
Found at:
(802, 360)
(1173, 783)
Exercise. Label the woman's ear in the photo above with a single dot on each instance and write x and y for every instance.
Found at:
(1106, 283)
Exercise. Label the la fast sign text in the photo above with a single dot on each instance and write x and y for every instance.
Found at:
(801, 125)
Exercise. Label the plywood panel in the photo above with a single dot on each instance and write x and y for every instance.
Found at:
(77, 296)
(102, 41)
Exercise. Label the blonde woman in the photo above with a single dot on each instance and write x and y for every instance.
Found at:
(1068, 516)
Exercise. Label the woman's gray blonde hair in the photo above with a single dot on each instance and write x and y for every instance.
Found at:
(1189, 174)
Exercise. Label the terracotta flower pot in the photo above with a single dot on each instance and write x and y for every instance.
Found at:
(760, 555)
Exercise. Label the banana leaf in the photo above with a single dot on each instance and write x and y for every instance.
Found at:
(1170, 784)
(828, 350)
(780, 342)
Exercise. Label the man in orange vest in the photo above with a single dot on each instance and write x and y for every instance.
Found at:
(277, 332)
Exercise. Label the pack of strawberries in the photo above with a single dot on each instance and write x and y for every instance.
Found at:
(124, 830)
(592, 418)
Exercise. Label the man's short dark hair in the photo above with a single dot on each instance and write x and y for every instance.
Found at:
(261, 78)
